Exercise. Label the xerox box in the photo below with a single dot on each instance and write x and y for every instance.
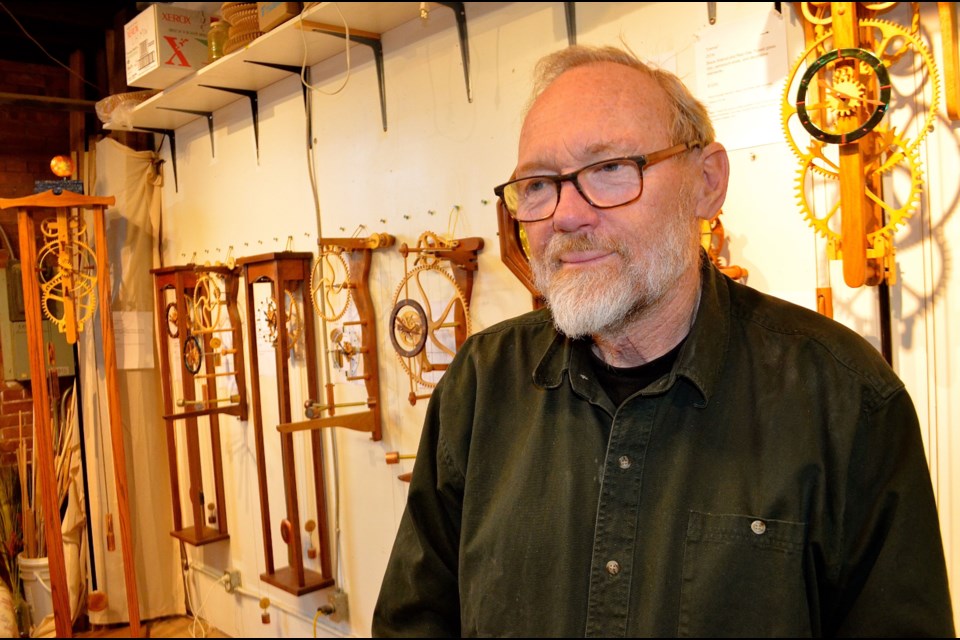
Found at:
(163, 44)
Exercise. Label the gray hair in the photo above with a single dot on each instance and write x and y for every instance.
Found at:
(691, 122)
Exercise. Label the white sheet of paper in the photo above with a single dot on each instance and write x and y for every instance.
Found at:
(741, 67)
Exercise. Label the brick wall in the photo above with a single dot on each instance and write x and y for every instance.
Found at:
(16, 405)
(29, 138)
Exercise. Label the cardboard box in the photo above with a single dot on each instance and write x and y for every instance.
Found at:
(164, 44)
(272, 14)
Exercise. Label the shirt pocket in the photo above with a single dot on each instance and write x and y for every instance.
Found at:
(743, 576)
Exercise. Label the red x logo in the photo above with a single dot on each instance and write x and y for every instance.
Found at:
(175, 44)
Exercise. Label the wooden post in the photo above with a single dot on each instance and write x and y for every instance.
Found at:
(43, 435)
(116, 424)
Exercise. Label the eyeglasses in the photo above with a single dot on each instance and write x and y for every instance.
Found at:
(605, 184)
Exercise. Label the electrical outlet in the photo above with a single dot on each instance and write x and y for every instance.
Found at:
(231, 580)
(338, 602)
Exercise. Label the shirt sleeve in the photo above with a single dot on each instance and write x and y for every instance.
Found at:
(419, 596)
(892, 581)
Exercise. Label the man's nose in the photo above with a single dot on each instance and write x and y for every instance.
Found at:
(573, 211)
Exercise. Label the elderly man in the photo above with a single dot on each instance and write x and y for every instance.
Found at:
(661, 451)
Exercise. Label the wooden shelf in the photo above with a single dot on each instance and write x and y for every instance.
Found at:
(186, 99)
(208, 535)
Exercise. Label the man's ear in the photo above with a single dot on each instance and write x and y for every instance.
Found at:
(715, 174)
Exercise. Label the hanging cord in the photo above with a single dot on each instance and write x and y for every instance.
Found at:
(198, 624)
(311, 166)
(184, 566)
(45, 52)
(303, 65)
(453, 219)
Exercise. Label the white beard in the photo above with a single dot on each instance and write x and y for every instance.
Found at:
(602, 300)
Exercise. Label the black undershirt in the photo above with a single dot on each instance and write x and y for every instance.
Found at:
(622, 382)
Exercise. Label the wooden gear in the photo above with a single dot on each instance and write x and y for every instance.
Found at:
(200, 348)
(356, 255)
(67, 272)
(67, 206)
(841, 100)
(413, 324)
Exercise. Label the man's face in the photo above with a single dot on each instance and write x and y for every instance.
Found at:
(601, 268)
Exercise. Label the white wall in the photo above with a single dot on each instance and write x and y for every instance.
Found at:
(441, 152)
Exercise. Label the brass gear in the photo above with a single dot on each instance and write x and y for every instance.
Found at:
(895, 151)
(192, 354)
(324, 290)
(345, 354)
(888, 34)
(269, 317)
(267, 321)
(409, 328)
(418, 363)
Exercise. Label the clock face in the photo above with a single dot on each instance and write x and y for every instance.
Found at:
(846, 79)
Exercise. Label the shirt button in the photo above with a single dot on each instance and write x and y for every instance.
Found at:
(613, 567)
(759, 527)
(625, 462)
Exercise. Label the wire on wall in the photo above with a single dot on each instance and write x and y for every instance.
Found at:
(218, 579)
(346, 44)
(45, 52)
(314, 190)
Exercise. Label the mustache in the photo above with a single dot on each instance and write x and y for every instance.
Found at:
(566, 243)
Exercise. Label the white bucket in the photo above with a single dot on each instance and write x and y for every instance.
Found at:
(35, 576)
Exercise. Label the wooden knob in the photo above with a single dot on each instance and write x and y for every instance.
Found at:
(111, 539)
(96, 601)
(393, 457)
(286, 531)
(265, 615)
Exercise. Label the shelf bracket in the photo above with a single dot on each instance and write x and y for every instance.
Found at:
(461, 15)
(206, 114)
(304, 84)
(254, 109)
(173, 148)
(368, 38)
(570, 11)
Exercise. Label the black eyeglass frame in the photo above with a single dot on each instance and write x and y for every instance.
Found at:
(642, 161)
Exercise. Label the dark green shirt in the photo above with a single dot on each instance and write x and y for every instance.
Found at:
(773, 483)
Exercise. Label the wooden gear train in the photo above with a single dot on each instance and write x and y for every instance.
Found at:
(60, 282)
(199, 344)
(431, 317)
(286, 274)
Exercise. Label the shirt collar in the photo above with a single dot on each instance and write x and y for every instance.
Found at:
(699, 361)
